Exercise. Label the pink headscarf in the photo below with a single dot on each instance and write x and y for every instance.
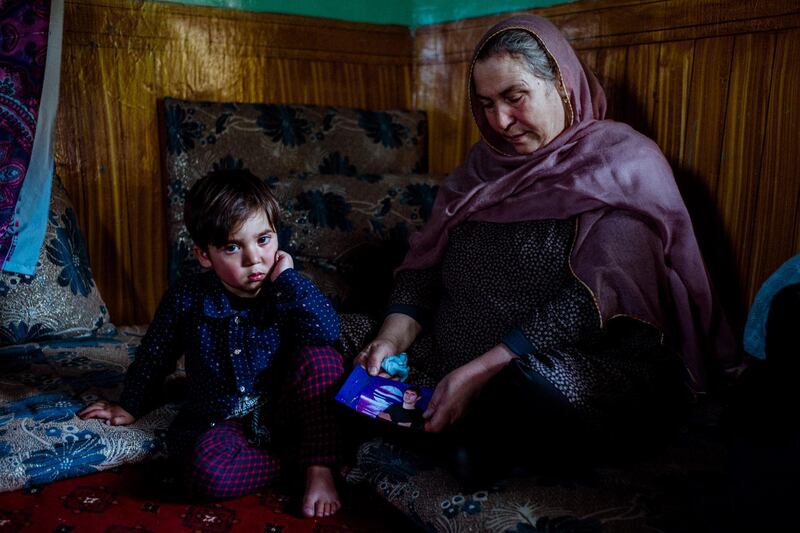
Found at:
(596, 170)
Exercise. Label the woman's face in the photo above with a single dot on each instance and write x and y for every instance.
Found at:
(527, 111)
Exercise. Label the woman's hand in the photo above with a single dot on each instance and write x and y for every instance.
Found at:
(283, 261)
(373, 355)
(452, 396)
(113, 414)
(455, 392)
(397, 333)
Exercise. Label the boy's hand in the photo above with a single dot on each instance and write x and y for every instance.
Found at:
(113, 414)
(283, 261)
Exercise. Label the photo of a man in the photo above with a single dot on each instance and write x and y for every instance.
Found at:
(406, 412)
(388, 400)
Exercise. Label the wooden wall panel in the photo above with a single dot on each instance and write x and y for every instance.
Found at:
(670, 114)
(120, 57)
(699, 78)
(451, 126)
(742, 148)
(611, 67)
(707, 106)
(777, 226)
(714, 82)
(697, 171)
(641, 77)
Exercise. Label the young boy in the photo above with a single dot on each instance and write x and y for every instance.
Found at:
(406, 412)
(256, 337)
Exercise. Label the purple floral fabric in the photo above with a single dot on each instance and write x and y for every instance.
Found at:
(23, 49)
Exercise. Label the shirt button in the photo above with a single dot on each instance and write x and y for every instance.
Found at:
(237, 351)
(241, 389)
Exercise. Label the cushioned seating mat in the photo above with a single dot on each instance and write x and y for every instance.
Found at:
(682, 486)
(43, 385)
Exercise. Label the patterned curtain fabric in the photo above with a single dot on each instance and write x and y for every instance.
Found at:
(23, 49)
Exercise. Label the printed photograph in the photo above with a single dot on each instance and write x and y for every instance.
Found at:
(384, 399)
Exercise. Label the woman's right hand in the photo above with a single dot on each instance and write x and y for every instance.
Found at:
(373, 355)
(397, 333)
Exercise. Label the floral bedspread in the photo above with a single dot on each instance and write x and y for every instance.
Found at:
(678, 487)
(43, 385)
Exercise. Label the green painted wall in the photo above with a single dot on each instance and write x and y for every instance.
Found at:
(434, 11)
(411, 13)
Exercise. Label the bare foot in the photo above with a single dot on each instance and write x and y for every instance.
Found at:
(321, 498)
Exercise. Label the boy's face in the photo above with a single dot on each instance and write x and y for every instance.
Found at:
(244, 263)
(410, 397)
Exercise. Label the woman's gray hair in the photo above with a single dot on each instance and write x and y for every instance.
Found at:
(521, 44)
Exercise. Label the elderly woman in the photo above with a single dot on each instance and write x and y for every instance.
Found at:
(558, 283)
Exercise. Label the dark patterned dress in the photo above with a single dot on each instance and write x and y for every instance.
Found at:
(511, 283)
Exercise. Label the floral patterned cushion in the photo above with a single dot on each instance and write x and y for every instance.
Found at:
(60, 299)
(344, 177)
(44, 385)
(283, 140)
(666, 491)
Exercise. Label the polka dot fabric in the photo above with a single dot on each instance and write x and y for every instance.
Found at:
(228, 351)
(512, 283)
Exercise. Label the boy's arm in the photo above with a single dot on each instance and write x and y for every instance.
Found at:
(155, 358)
(308, 312)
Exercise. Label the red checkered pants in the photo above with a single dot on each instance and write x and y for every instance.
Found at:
(224, 464)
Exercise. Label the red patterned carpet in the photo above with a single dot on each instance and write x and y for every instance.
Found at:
(130, 499)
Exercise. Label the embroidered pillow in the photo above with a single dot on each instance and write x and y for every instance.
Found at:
(61, 298)
(348, 181)
(294, 140)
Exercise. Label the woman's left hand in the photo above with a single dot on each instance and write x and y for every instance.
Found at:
(458, 389)
(452, 396)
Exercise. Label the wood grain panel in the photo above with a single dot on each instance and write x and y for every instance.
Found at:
(697, 171)
(589, 59)
(121, 57)
(641, 77)
(777, 213)
(672, 97)
(611, 64)
(594, 24)
(708, 98)
(745, 128)
(442, 91)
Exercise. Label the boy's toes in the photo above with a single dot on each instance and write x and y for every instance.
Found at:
(321, 498)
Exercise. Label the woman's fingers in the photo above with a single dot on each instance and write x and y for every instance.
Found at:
(363, 357)
(371, 357)
(374, 359)
(436, 422)
(433, 405)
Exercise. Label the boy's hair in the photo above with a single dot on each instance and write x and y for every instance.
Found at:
(414, 389)
(219, 202)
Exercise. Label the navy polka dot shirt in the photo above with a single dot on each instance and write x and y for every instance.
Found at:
(228, 347)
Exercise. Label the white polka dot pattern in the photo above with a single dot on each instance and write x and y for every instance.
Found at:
(228, 349)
